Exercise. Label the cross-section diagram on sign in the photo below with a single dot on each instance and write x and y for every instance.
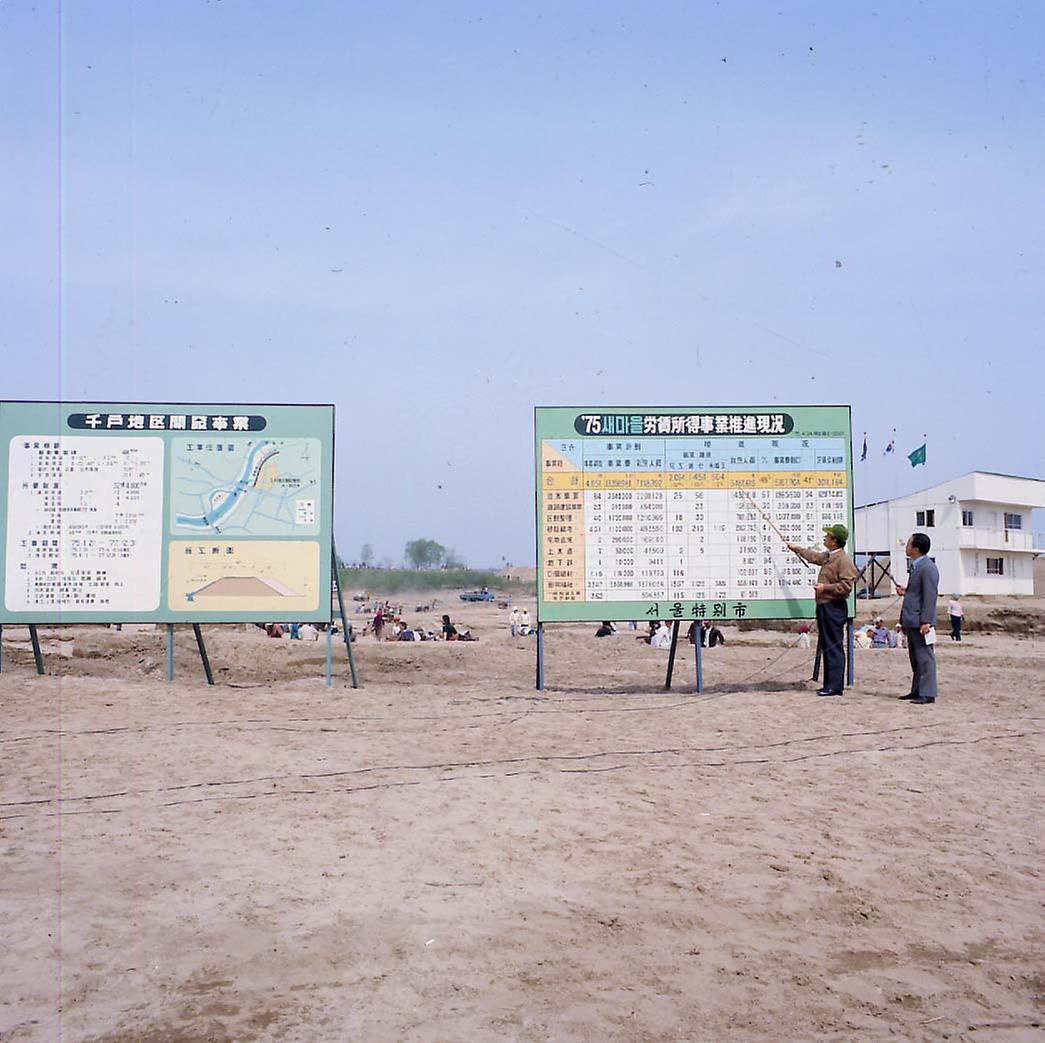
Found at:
(242, 587)
(277, 576)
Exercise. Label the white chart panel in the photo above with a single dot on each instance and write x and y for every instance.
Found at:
(84, 524)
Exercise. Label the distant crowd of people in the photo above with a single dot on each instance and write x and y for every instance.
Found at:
(659, 633)
(299, 631)
(394, 628)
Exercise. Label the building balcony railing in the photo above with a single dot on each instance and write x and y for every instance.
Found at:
(995, 539)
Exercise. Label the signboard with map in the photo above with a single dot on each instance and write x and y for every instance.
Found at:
(679, 513)
(115, 512)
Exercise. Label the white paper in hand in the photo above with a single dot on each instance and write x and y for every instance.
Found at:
(930, 638)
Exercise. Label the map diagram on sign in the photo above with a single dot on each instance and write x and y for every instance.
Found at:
(234, 486)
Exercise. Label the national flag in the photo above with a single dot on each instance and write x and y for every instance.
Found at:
(863, 455)
(891, 447)
(918, 456)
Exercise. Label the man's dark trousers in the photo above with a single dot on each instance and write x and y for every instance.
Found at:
(923, 664)
(830, 622)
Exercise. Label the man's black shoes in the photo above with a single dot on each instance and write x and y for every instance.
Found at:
(923, 700)
(911, 696)
(828, 691)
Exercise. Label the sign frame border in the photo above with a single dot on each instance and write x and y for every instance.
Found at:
(163, 615)
(605, 610)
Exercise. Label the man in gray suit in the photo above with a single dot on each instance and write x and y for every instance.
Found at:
(917, 616)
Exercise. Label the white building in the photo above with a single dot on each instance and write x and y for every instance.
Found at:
(979, 525)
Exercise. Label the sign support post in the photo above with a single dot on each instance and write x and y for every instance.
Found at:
(330, 656)
(37, 654)
(344, 619)
(540, 656)
(203, 652)
(700, 670)
(170, 651)
(671, 654)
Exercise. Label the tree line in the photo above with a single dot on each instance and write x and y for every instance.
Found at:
(418, 554)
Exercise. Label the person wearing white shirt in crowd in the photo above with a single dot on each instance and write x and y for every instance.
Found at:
(662, 637)
(524, 622)
(957, 614)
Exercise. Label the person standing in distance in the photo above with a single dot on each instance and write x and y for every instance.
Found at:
(957, 614)
(833, 585)
(918, 616)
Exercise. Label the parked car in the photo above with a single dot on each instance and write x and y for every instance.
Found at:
(477, 595)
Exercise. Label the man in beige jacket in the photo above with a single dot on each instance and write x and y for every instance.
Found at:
(833, 585)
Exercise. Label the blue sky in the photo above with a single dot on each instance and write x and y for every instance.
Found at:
(440, 215)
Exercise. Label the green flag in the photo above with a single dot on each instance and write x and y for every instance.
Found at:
(918, 456)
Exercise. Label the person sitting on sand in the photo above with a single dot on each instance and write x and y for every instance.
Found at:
(606, 630)
(449, 630)
(405, 633)
(863, 637)
(880, 636)
(803, 636)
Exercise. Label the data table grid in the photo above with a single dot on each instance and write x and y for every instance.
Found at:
(685, 519)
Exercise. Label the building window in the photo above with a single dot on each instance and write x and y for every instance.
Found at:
(967, 519)
(925, 519)
(1013, 521)
(995, 566)
(919, 519)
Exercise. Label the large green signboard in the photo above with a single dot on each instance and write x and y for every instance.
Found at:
(165, 512)
(648, 513)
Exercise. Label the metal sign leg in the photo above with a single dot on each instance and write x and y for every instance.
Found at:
(700, 669)
(203, 652)
(816, 661)
(1, 648)
(671, 654)
(170, 651)
(37, 654)
(330, 656)
(345, 629)
(540, 657)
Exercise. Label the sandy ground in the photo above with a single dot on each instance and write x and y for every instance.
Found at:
(446, 854)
